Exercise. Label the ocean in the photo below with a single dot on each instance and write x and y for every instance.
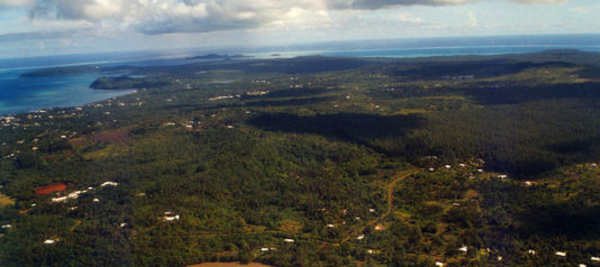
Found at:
(19, 94)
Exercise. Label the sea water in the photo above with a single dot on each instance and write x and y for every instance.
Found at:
(23, 94)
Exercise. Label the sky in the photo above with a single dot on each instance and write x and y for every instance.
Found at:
(50, 27)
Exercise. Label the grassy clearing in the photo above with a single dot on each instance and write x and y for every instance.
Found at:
(5, 200)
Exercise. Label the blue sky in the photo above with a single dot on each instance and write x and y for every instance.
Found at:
(47, 27)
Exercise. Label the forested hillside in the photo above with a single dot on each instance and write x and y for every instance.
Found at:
(313, 161)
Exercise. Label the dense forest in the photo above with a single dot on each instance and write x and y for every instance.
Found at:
(312, 161)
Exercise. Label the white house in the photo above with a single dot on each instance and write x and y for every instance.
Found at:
(439, 264)
(531, 252)
(596, 259)
(109, 183)
(561, 253)
(169, 216)
(59, 199)
(464, 249)
(74, 195)
(287, 240)
(49, 242)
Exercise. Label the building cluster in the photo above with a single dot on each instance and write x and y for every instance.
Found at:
(76, 194)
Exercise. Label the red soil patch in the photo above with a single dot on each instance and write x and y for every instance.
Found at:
(45, 190)
(112, 136)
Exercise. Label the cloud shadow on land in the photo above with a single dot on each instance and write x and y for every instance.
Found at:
(573, 220)
(381, 133)
(514, 94)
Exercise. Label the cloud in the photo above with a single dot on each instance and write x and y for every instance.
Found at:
(377, 4)
(154, 17)
(551, 2)
(16, 3)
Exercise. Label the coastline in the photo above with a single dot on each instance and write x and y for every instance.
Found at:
(52, 90)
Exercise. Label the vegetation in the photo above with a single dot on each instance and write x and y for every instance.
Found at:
(315, 161)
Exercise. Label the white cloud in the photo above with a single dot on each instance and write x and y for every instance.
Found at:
(552, 2)
(172, 16)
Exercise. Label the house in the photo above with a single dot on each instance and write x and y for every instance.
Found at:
(109, 183)
(502, 176)
(561, 253)
(96, 200)
(464, 249)
(448, 167)
(74, 195)
(169, 216)
(596, 259)
(287, 240)
(59, 199)
(49, 242)
(360, 237)
(439, 264)
(531, 252)
(330, 226)
(6, 226)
